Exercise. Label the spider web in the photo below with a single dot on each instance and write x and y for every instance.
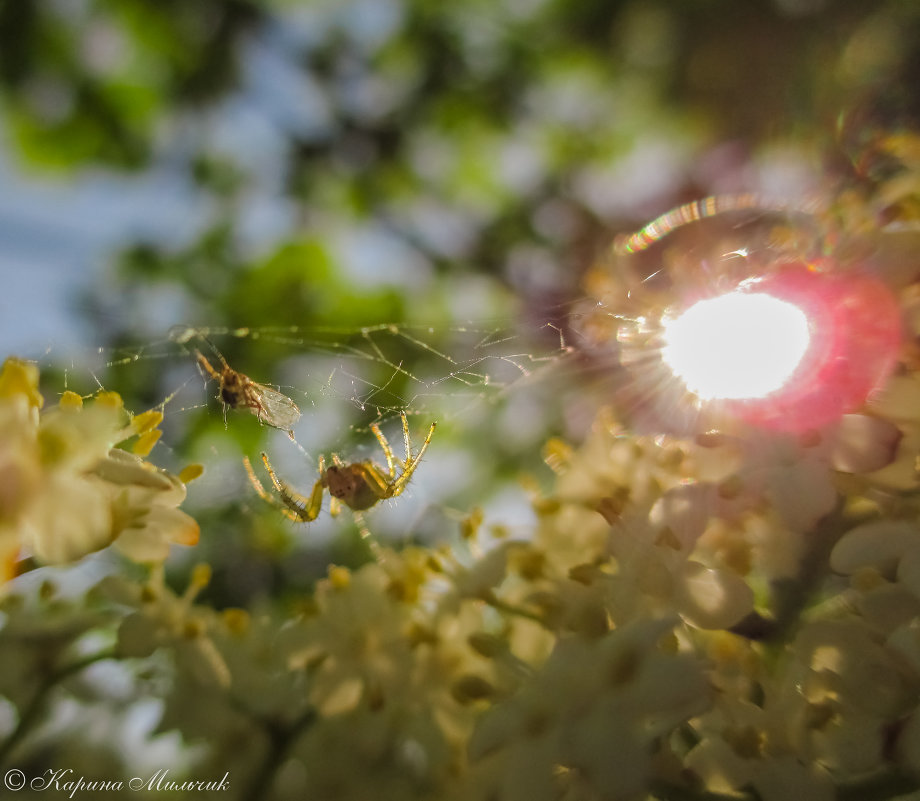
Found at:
(486, 386)
(360, 368)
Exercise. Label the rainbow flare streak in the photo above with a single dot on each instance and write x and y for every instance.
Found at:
(661, 226)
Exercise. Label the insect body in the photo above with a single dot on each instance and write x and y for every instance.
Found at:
(359, 485)
(239, 391)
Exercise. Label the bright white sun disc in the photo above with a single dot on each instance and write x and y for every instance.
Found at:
(737, 346)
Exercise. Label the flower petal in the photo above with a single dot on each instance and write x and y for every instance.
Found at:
(864, 444)
(880, 545)
(713, 599)
(802, 494)
(70, 519)
(161, 527)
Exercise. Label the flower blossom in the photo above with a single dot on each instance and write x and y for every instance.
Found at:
(67, 490)
(590, 715)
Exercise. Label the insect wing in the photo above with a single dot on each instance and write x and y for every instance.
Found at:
(277, 409)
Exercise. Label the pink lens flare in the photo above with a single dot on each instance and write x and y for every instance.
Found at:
(855, 333)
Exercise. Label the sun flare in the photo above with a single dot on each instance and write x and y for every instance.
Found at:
(741, 345)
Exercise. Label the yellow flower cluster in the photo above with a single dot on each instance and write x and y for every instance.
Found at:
(66, 490)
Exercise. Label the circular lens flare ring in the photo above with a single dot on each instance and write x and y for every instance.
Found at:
(737, 346)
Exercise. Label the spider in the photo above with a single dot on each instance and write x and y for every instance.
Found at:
(359, 485)
(239, 391)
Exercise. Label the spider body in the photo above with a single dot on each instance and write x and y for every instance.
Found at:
(349, 484)
(239, 391)
(359, 485)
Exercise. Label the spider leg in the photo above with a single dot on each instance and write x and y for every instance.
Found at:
(254, 480)
(378, 481)
(361, 523)
(387, 450)
(372, 544)
(411, 463)
(276, 482)
(315, 504)
(293, 505)
(406, 443)
(264, 495)
(334, 505)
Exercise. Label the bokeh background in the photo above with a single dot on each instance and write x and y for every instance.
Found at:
(328, 165)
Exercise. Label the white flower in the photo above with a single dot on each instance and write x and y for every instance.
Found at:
(166, 619)
(356, 642)
(68, 491)
(595, 707)
(728, 767)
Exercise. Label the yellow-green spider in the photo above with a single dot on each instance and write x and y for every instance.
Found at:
(359, 485)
